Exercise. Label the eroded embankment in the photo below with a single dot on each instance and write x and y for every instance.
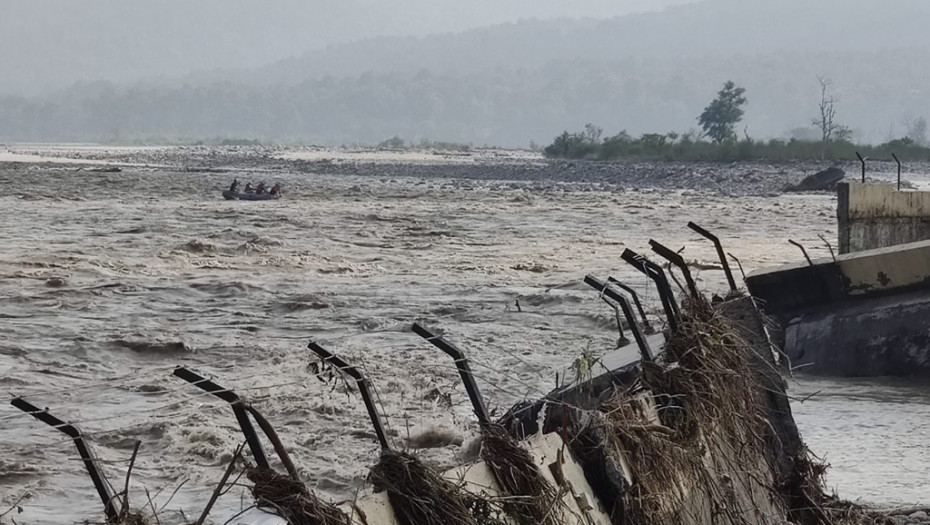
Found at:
(703, 435)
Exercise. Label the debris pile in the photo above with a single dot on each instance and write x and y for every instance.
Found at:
(419, 495)
(292, 500)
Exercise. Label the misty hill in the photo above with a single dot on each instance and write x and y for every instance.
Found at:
(718, 28)
(51, 44)
(512, 83)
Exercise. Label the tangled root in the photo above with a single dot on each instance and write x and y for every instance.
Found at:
(699, 409)
(292, 500)
(816, 507)
(418, 495)
(534, 499)
(659, 465)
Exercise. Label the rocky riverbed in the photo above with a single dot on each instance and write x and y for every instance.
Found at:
(755, 178)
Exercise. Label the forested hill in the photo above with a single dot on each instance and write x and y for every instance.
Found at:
(512, 83)
(713, 28)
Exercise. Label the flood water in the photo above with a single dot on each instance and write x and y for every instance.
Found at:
(874, 433)
(110, 280)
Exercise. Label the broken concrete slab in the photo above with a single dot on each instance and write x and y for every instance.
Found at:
(862, 314)
(790, 288)
(820, 181)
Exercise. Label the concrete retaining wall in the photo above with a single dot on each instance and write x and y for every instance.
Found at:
(876, 215)
(864, 314)
(885, 336)
(792, 288)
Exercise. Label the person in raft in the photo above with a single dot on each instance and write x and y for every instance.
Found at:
(248, 187)
(234, 186)
(275, 189)
(261, 188)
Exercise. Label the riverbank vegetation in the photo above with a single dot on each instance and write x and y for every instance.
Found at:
(589, 144)
(718, 140)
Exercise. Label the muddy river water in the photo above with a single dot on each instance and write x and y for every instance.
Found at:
(110, 280)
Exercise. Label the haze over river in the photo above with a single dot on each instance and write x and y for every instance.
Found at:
(110, 280)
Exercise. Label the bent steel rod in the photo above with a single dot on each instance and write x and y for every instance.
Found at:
(740, 265)
(635, 296)
(606, 289)
(637, 261)
(245, 424)
(657, 274)
(272, 436)
(90, 463)
(363, 389)
(461, 363)
(720, 253)
(654, 272)
(679, 261)
(862, 161)
(237, 404)
(809, 261)
(895, 157)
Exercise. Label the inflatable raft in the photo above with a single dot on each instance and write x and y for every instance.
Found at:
(231, 195)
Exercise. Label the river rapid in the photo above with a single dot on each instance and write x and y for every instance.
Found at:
(108, 281)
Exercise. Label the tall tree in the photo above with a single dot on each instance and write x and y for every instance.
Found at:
(721, 115)
(830, 130)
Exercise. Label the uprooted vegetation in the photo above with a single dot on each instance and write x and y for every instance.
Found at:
(292, 501)
(691, 442)
(419, 495)
(532, 501)
(692, 437)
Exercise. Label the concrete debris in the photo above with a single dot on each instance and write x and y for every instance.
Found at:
(821, 181)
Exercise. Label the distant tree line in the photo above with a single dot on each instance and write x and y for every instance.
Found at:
(690, 147)
(718, 122)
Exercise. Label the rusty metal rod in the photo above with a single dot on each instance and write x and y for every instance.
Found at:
(657, 274)
(90, 463)
(678, 261)
(862, 160)
(363, 388)
(809, 261)
(895, 157)
(272, 436)
(720, 253)
(829, 246)
(245, 424)
(635, 296)
(739, 264)
(605, 288)
(461, 363)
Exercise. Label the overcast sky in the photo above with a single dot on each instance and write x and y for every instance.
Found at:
(192, 68)
(48, 44)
